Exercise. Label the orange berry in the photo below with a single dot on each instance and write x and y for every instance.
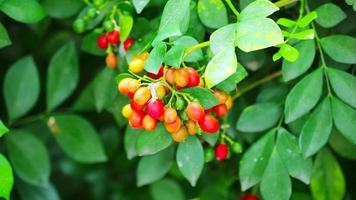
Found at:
(192, 127)
(136, 65)
(222, 96)
(123, 85)
(180, 135)
(173, 127)
(229, 102)
(149, 123)
(169, 75)
(195, 111)
(126, 111)
(144, 55)
(170, 115)
(142, 95)
(111, 61)
(181, 77)
(133, 85)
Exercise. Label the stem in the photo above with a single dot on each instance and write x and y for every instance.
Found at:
(282, 3)
(257, 83)
(301, 12)
(232, 7)
(227, 138)
(193, 48)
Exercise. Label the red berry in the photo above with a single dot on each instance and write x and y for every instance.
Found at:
(194, 78)
(136, 106)
(249, 197)
(221, 151)
(209, 124)
(136, 119)
(158, 75)
(128, 43)
(195, 111)
(113, 37)
(102, 41)
(155, 109)
(220, 110)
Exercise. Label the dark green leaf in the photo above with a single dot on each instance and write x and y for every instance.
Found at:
(85, 101)
(212, 13)
(3, 129)
(4, 37)
(223, 38)
(166, 189)
(174, 56)
(131, 136)
(211, 139)
(104, 88)
(121, 76)
(6, 178)
(62, 8)
(329, 15)
(205, 97)
(275, 93)
(26, 11)
(89, 44)
(32, 192)
(342, 146)
(258, 9)
(140, 5)
(341, 48)
(155, 59)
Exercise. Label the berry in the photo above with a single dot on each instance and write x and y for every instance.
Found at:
(180, 135)
(181, 77)
(195, 111)
(79, 25)
(144, 55)
(126, 111)
(237, 148)
(249, 197)
(158, 75)
(108, 26)
(160, 91)
(133, 85)
(136, 65)
(128, 43)
(194, 78)
(137, 107)
(98, 2)
(192, 127)
(179, 104)
(201, 83)
(155, 109)
(91, 13)
(142, 95)
(111, 61)
(136, 119)
(209, 124)
(123, 85)
(102, 41)
(173, 127)
(169, 75)
(220, 110)
(170, 115)
(149, 123)
(229, 102)
(221, 151)
(113, 37)
(209, 154)
(222, 96)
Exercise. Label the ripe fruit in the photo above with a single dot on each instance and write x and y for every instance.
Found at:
(222, 96)
(209, 154)
(158, 75)
(79, 25)
(149, 123)
(128, 43)
(133, 85)
(136, 107)
(102, 41)
(136, 119)
(249, 197)
(173, 127)
(170, 76)
(160, 91)
(229, 102)
(220, 110)
(181, 77)
(221, 151)
(192, 127)
(144, 55)
(113, 37)
(209, 124)
(155, 109)
(142, 95)
(237, 148)
(126, 111)
(195, 111)
(170, 115)
(123, 85)
(180, 135)
(136, 65)
(109, 26)
(111, 61)
(194, 78)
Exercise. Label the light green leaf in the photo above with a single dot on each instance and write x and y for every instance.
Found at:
(317, 129)
(304, 35)
(29, 157)
(104, 89)
(254, 161)
(329, 15)
(342, 146)
(303, 96)
(21, 87)
(62, 75)
(327, 181)
(187, 41)
(62, 8)
(26, 11)
(126, 23)
(288, 52)
(340, 48)
(229, 84)
(190, 159)
(286, 22)
(344, 85)
(174, 56)
(166, 189)
(223, 38)
(140, 5)
(307, 19)
(3, 129)
(155, 59)
(204, 96)
(212, 13)
(6, 178)
(130, 140)
(4, 37)
(258, 9)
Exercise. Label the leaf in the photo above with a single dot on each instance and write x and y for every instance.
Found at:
(257, 33)
(3, 129)
(211, 139)
(258, 9)
(291, 155)
(342, 146)
(286, 22)
(154, 167)
(329, 15)
(151, 142)
(254, 161)
(121, 76)
(259, 117)
(223, 38)
(276, 184)
(304, 35)
(29, 157)
(85, 101)
(340, 48)
(212, 13)
(190, 159)
(6, 178)
(275, 93)
(104, 88)
(229, 84)
(32, 192)
(223, 65)
(317, 129)
(303, 96)
(155, 59)
(77, 138)
(126, 23)
(89, 44)
(174, 56)
(130, 140)
(4, 37)
(62, 8)
(140, 5)
(327, 181)
(288, 52)
(307, 19)
(21, 87)
(343, 84)
(166, 189)
(292, 70)
(204, 96)
(62, 75)
(187, 41)
(344, 117)
(25, 11)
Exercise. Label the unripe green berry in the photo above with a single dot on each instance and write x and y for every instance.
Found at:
(237, 147)
(91, 13)
(79, 25)
(209, 154)
(98, 2)
(109, 26)
(179, 104)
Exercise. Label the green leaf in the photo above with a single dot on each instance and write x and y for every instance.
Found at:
(292, 70)
(29, 157)
(259, 117)
(303, 96)
(126, 23)
(130, 140)
(205, 97)
(223, 38)
(229, 84)
(154, 167)
(85, 101)
(254, 161)
(276, 93)
(21, 87)
(140, 5)
(258, 9)
(26, 11)
(304, 35)
(166, 189)
(288, 52)
(121, 76)
(286, 22)
(276, 184)
(6, 178)
(104, 88)
(187, 41)
(327, 181)
(89, 44)
(317, 129)
(329, 15)
(257, 33)
(340, 48)
(212, 13)
(342, 146)
(151, 142)
(307, 19)
(62, 75)
(190, 159)
(3, 129)
(32, 192)
(155, 59)
(174, 56)
(291, 155)
(77, 138)
(223, 65)
(211, 139)
(62, 8)
(343, 84)
(4, 37)
(344, 119)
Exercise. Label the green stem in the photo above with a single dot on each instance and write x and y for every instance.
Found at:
(193, 48)
(232, 7)
(227, 138)
(282, 3)
(301, 12)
